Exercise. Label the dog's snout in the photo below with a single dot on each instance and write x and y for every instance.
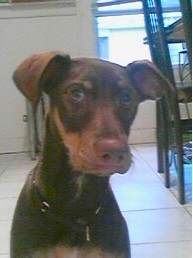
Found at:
(112, 151)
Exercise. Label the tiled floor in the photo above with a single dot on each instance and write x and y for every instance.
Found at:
(159, 226)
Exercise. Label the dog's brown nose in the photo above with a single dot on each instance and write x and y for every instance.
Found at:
(112, 151)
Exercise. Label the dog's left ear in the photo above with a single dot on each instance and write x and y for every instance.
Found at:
(40, 73)
(148, 81)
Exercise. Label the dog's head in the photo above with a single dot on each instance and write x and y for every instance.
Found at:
(92, 104)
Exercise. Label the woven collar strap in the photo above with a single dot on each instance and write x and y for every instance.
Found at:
(45, 208)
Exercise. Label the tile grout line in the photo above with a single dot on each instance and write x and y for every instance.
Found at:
(161, 242)
(153, 209)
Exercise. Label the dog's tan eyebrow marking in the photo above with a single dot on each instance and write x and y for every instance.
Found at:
(122, 83)
(88, 85)
(85, 84)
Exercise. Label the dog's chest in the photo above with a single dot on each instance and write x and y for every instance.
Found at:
(68, 252)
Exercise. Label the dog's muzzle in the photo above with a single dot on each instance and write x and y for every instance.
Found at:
(107, 156)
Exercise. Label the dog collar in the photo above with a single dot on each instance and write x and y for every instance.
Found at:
(45, 208)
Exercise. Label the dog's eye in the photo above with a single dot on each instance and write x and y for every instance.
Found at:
(76, 92)
(126, 99)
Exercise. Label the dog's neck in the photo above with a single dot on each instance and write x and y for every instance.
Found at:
(66, 188)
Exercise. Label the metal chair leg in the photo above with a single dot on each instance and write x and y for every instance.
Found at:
(179, 150)
(31, 130)
(165, 126)
(159, 134)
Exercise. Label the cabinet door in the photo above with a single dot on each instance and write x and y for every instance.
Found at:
(25, 31)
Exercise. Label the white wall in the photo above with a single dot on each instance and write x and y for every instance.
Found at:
(126, 46)
(31, 28)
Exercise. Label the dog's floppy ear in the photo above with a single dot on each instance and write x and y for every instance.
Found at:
(148, 81)
(39, 72)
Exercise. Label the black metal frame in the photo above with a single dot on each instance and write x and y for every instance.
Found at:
(186, 6)
(157, 40)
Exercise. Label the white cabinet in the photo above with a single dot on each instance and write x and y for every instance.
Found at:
(26, 29)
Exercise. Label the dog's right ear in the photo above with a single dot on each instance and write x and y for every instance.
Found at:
(40, 72)
(149, 82)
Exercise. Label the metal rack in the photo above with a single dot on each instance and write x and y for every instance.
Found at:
(157, 40)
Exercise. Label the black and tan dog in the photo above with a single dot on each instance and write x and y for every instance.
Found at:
(66, 208)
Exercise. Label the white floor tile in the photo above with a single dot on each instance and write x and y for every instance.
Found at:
(15, 174)
(23, 161)
(7, 206)
(10, 189)
(163, 250)
(7, 158)
(141, 189)
(5, 161)
(155, 226)
(189, 209)
(140, 171)
(2, 169)
(137, 196)
(28, 165)
(5, 227)
(148, 153)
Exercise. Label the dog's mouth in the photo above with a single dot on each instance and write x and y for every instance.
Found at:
(103, 164)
